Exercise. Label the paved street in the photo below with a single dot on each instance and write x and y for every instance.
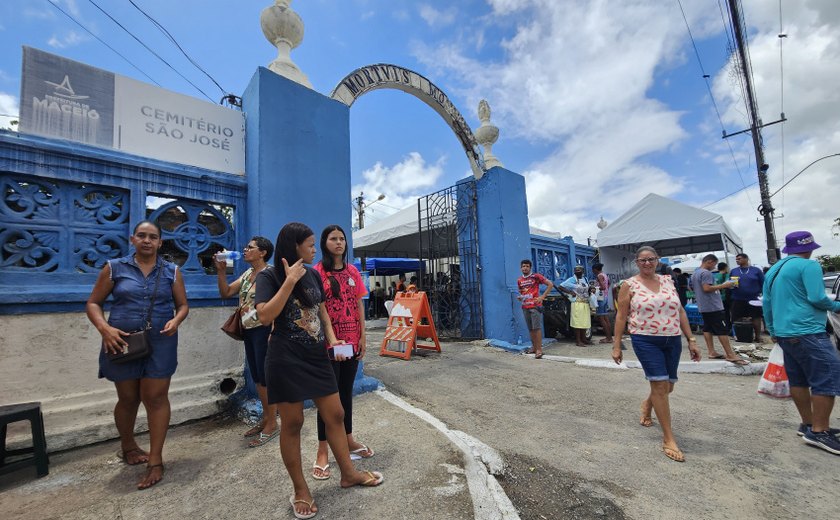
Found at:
(568, 434)
(575, 449)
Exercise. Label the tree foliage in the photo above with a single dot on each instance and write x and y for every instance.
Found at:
(829, 262)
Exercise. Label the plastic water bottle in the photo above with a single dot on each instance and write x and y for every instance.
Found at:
(519, 340)
(228, 255)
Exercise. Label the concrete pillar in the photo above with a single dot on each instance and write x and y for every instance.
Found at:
(504, 241)
(297, 164)
(297, 157)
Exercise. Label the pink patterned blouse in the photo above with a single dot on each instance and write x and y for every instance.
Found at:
(654, 313)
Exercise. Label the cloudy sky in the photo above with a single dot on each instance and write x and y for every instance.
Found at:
(598, 102)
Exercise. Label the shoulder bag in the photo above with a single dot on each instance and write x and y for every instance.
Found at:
(138, 344)
(233, 325)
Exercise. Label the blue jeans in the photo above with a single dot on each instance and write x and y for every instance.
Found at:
(812, 361)
(659, 356)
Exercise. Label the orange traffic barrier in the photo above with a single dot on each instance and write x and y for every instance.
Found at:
(410, 318)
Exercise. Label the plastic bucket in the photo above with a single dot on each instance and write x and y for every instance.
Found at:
(743, 331)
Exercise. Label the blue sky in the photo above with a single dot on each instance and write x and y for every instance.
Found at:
(598, 103)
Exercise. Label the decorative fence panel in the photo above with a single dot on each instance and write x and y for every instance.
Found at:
(66, 209)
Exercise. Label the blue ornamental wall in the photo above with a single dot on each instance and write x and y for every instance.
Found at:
(67, 208)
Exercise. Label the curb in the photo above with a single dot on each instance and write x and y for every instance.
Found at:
(700, 367)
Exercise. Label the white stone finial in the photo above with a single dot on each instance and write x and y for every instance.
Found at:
(284, 29)
(486, 135)
(602, 223)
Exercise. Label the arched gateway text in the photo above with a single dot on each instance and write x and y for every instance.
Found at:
(384, 75)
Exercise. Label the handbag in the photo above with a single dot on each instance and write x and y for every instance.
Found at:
(137, 342)
(233, 325)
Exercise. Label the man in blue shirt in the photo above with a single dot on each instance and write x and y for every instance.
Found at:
(748, 281)
(795, 304)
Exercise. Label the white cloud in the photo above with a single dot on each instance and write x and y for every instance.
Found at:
(577, 77)
(8, 105)
(811, 104)
(68, 40)
(585, 95)
(368, 15)
(402, 184)
(436, 18)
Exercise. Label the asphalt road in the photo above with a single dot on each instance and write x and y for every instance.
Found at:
(574, 449)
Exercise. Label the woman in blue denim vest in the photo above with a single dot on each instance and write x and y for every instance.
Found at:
(131, 281)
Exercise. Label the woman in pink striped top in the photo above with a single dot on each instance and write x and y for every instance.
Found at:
(649, 306)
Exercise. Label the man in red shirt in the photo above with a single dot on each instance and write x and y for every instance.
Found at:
(529, 293)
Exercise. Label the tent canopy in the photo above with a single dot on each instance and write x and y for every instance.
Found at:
(390, 266)
(399, 235)
(396, 234)
(670, 227)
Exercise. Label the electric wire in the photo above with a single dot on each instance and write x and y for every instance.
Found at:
(782, 187)
(782, 37)
(175, 42)
(712, 97)
(121, 26)
(100, 40)
(802, 171)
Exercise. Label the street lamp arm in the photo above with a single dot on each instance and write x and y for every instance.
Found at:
(801, 171)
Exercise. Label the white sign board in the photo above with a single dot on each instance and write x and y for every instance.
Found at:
(70, 100)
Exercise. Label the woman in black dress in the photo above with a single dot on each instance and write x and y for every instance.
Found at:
(297, 366)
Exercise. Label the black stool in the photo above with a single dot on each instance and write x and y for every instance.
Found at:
(24, 412)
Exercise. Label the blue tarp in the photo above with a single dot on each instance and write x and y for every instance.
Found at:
(390, 266)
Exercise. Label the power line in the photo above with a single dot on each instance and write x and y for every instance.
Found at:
(68, 15)
(172, 39)
(121, 26)
(739, 190)
(782, 37)
(712, 97)
(802, 171)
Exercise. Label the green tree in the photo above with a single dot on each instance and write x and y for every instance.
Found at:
(829, 262)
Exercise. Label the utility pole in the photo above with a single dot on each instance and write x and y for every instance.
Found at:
(360, 209)
(766, 208)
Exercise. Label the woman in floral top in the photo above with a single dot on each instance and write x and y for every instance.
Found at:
(650, 308)
(258, 250)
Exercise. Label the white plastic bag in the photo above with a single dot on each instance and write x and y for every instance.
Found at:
(774, 382)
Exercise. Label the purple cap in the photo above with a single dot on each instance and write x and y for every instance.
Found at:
(799, 242)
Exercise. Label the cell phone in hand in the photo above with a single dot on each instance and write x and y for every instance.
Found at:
(340, 349)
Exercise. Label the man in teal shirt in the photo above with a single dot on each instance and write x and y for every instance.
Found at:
(795, 304)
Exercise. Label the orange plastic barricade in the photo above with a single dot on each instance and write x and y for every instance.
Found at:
(410, 318)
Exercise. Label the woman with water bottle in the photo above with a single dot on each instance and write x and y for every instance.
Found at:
(256, 253)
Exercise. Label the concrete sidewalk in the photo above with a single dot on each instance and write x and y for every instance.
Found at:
(211, 473)
(599, 355)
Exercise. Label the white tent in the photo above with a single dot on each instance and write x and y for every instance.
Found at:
(688, 266)
(399, 234)
(671, 227)
(394, 235)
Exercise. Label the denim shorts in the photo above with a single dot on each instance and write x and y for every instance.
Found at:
(659, 356)
(603, 308)
(256, 345)
(812, 361)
